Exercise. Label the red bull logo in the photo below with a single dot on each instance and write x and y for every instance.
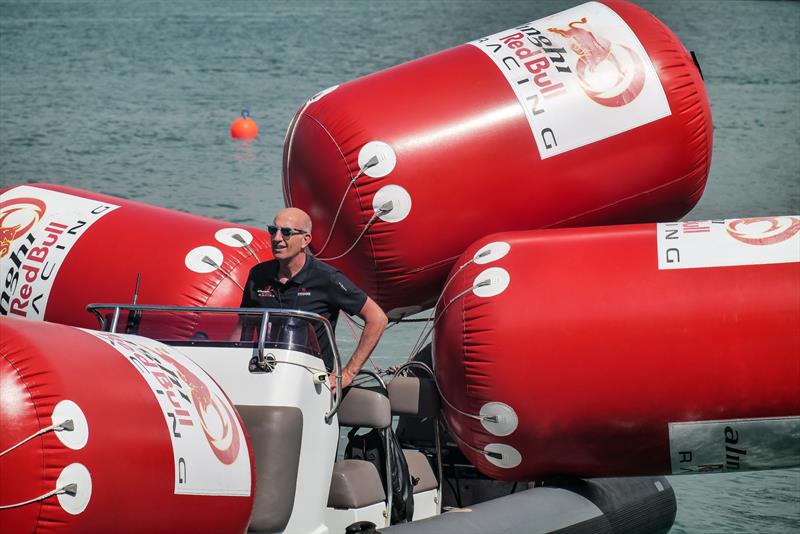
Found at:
(610, 73)
(763, 230)
(17, 217)
(216, 418)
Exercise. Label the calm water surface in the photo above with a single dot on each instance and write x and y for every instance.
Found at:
(134, 99)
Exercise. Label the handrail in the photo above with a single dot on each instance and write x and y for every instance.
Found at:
(264, 312)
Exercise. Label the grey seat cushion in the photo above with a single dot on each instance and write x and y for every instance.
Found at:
(355, 484)
(420, 470)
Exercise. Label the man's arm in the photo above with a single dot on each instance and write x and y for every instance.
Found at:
(375, 322)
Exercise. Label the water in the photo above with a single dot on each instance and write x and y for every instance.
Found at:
(134, 99)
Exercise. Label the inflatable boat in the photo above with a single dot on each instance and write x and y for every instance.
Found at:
(250, 441)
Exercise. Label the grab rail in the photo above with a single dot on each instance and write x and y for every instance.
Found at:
(264, 313)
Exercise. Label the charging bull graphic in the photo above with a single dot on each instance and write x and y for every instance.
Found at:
(216, 419)
(611, 74)
(763, 230)
(18, 216)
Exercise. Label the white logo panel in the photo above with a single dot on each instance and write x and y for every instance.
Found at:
(580, 75)
(38, 228)
(728, 242)
(208, 444)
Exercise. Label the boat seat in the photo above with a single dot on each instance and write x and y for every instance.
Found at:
(414, 396)
(365, 408)
(417, 399)
(421, 472)
(357, 483)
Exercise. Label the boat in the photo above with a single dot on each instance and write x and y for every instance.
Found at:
(277, 382)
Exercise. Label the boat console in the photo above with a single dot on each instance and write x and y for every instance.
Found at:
(269, 364)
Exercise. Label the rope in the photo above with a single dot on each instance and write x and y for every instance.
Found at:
(386, 208)
(410, 364)
(69, 489)
(421, 341)
(66, 425)
(430, 330)
(369, 164)
(496, 455)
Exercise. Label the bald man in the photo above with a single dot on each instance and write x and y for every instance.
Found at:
(297, 280)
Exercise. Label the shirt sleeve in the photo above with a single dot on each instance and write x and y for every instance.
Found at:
(346, 295)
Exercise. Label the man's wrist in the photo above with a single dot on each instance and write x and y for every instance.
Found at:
(348, 371)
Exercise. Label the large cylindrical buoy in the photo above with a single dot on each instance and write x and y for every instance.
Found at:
(632, 350)
(63, 248)
(596, 115)
(126, 435)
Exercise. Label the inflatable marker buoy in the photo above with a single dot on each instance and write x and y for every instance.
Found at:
(244, 127)
(122, 428)
(62, 248)
(596, 115)
(642, 350)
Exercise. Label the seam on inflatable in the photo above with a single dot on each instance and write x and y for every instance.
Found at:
(701, 134)
(434, 264)
(38, 422)
(287, 192)
(623, 200)
(464, 347)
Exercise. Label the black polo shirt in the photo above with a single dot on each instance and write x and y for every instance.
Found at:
(317, 288)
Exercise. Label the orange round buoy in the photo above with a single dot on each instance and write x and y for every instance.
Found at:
(244, 127)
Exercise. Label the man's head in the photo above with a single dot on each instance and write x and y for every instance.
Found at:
(290, 233)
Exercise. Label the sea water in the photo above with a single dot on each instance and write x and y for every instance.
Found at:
(135, 98)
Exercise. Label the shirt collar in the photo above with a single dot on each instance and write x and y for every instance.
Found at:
(300, 277)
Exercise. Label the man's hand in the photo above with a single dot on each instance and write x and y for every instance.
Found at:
(347, 379)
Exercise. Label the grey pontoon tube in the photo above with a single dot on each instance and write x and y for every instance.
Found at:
(638, 505)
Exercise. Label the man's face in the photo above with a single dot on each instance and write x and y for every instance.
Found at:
(286, 248)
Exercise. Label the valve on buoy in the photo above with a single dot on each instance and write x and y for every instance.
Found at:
(244, 127)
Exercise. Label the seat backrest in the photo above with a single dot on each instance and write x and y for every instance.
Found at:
(365, 408)
(275, 433)
(414, 396)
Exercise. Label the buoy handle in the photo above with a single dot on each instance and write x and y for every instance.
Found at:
(245, 113)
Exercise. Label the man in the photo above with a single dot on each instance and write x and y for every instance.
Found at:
(295, 279)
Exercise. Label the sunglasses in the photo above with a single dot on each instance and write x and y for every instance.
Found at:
(285, 232)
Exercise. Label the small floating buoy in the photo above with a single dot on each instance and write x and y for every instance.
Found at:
(244, 127)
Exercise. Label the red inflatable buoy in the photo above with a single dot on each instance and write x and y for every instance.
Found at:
(127, 428)
(620, 351)
(244, 127)
(62, 248)
(596, 115)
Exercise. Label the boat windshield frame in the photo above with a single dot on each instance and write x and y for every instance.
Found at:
(263, 313)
